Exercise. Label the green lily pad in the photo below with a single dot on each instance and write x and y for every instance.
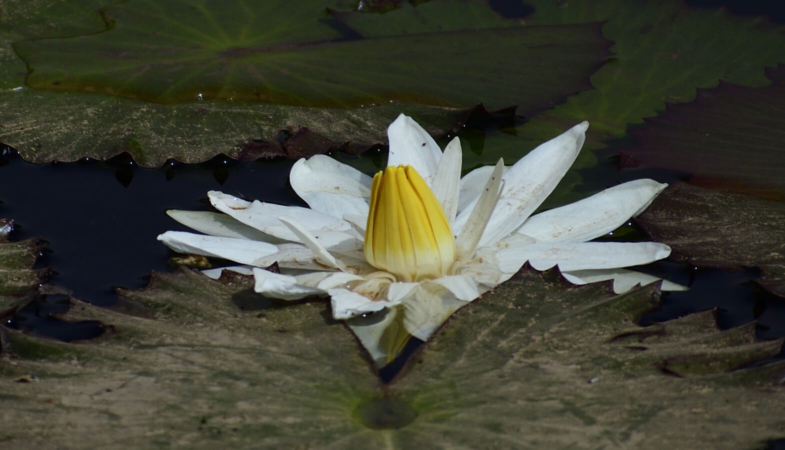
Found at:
(720, 229)
(731, 137)
(18, 280)
(537, 363)
(189, 79)
(664, 50)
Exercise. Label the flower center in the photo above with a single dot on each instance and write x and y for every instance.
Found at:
(408, 234)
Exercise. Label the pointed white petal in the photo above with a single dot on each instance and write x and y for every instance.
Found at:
(304, 236)
(400, 290)
(462, 286)
(584, 255)
(370, 330)
(411, 145)
(331, 187)
(347, 304)
(291, 256)
(472, 185)
(623, 280)
(242, 251)
(229, 201)
(446, 182)
(216, 273)
(216, 224)
(337, 279)
(427, 309)
(264, 216)
(594, 216)
(284, 287)
(508, 263)
(484, 270)
(359, 222)
(529, 182)
(474, 227)
(339, 241)
(311, 279)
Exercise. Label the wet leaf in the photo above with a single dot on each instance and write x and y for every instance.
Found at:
(543, 365)
(731, 137)
(190, 79)
(18, 279)
(720, 229)
(664, 50)
(536, 363)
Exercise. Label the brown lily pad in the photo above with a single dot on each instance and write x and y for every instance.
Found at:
(720, 229)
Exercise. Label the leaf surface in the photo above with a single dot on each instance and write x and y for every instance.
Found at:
(720, 229)
(18, 280)
(536, 363)
(188, 79)
(664, 51)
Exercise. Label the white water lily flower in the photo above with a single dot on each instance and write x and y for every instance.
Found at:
(419, 238)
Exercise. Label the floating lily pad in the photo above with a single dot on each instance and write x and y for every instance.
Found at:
(731, 137)
(188, 79)
(720, 229)
(538, 362)
(664, 50)
(18, 279)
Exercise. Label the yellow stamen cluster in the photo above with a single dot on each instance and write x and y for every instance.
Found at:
(408, 234)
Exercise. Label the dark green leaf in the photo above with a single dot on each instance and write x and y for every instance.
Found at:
(664, 50)
(135, 83)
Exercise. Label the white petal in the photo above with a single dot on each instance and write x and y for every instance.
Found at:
(291, 256)
(400, 290)
(446, 182)
(462, 286)
(280, 286)
(216, 273)
(370, 331)
(623, 280)
(331, 187)
(339, 241)
(472, 185)
(264, 216)
(411, 145)
(529, 182)
(305, 236)
(242, 251)
(216, 224)
(594, 216)
(311, 279)
(347, 304)
(359, 222)
(580, 256)
(337, 279)
(484, 270)
(470, 233)
(427, 309)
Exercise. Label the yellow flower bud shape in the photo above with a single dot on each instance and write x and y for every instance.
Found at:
(407, 234)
